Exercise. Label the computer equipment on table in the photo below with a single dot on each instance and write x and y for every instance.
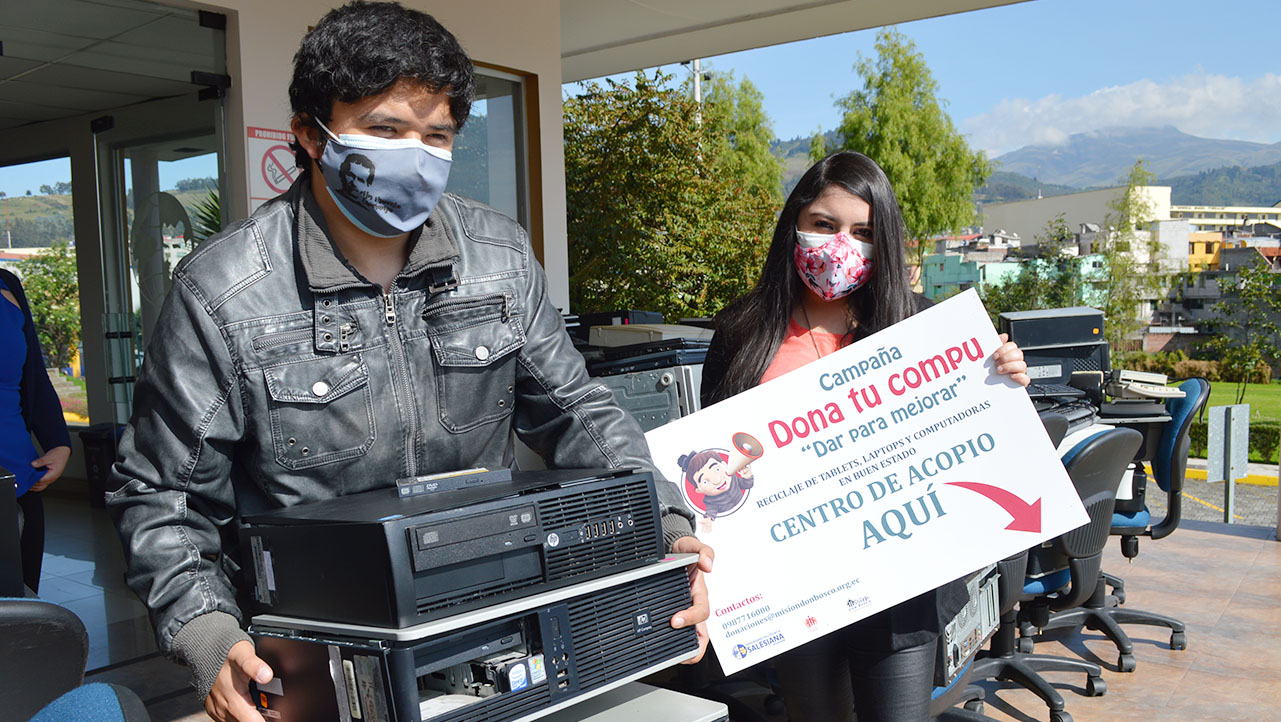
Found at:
(1064, 348)
(656, 397)
(634, 333)
(966, 633)
(379, 559)
(1125, 384)
(655, 381)
(517, 660)
(1041, 328)
(579, 325)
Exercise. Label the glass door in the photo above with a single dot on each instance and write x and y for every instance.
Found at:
(161, 178)
(165, 197)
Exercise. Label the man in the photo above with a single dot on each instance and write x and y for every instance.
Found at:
(334, 342)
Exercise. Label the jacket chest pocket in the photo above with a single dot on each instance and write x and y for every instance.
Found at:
(475, 344)
(321, 411)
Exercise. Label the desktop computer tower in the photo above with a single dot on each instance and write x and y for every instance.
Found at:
(380, 559)
(513, 661)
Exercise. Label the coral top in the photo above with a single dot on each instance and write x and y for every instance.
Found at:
(801, 346)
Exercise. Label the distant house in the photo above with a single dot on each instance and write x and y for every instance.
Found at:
(1187, 317)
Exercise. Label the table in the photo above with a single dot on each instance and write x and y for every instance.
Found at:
(637, 702)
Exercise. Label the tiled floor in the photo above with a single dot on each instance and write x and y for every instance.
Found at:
(1223, 581)
(84, 571)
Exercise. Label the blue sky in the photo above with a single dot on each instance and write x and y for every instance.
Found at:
(1024, 74)
(16, 180)
(1034, 72)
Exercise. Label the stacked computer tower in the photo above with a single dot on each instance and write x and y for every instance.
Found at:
(500, 601)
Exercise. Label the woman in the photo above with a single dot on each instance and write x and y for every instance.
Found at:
(28, 404)
(835, 274)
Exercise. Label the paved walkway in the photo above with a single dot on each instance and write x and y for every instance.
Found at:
(1256, 503)
(1224, 583)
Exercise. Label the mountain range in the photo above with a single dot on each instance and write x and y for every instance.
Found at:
(1200, 171)
(1103, 157)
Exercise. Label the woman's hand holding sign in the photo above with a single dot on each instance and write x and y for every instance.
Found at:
(1009, 361)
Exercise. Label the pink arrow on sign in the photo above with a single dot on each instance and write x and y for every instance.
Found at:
(1027, 517)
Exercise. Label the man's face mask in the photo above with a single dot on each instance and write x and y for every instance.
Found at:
(385, 186)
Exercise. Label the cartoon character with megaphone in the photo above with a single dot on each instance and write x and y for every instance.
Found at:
(717, 481)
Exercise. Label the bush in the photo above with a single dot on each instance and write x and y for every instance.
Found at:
(1261, 374)
(1192, 367)
(1265, 437)
(1174, 364)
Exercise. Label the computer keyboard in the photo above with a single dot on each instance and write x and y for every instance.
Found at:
(1036, 390)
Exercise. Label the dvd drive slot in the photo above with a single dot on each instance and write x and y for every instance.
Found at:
(439, 544)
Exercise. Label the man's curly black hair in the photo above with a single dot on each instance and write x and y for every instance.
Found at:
(363, 48)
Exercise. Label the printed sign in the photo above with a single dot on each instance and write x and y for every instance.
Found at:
(864, 479)
(271, 164)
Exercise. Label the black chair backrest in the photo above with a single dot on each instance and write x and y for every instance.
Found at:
(1056, 425)
(43, 650)
(1095, 467)
(10, 542)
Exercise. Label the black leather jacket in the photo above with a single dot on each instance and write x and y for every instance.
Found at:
(277, 375)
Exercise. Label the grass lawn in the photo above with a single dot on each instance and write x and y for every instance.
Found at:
(1264, 399)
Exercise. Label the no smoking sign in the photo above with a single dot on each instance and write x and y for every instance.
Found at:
(272, 161)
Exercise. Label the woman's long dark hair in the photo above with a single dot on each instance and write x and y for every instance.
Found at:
(752, 327)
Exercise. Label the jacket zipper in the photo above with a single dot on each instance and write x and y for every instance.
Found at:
(283, 338)
(344, 337)
(505, 312)
(400, 385)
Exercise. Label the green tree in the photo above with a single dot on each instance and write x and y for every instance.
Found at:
(746, 135)
(1247, 335)
(1050, 280)
(1132, 273)
(206, 216)
(50, 282)
(652, 224)
(897, 120)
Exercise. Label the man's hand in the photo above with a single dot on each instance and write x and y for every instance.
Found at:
(54, 462)
(1009, 361)
(229, 699)
(697, 614)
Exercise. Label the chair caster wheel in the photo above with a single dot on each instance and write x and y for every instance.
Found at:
(1178, 640)
(1026, 645)
(975, 706)
(1096, 686)
(1126, 663)
(1060, 716)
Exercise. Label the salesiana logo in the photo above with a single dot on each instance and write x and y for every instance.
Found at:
(742, 650)
(858, 602)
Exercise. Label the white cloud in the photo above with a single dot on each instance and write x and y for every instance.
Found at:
(1212, 106)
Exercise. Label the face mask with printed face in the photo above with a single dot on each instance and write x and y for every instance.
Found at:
(832, 265)
(385, 186)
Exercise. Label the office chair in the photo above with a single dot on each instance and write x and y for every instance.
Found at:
(1168, 465)
(43, 650)
(943, 700)
(1095, 466)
